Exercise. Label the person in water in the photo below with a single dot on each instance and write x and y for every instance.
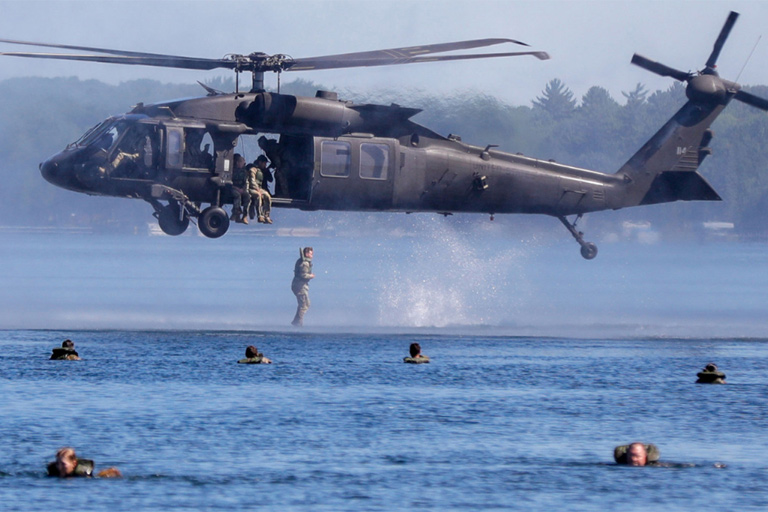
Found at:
(67, 465)
(710, 375)
(66, 352)
(636, 454)
(253, 356)
(639, 454)
(416, 356)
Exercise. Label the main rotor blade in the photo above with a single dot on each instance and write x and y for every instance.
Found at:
(90, 49)
(413, 51)
(313, 64)
(659, 69)
(751, 99)
(260, 62)
(160, 61)
(732, 17)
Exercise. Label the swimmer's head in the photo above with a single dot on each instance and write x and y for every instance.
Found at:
(637, 455)
(66, 461)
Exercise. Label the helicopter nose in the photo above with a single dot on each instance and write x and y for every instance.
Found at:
(53, 173)
(49, 171)
(57, 171)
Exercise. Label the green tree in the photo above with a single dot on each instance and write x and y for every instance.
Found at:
(636, 99)
(595, 132)
(557, 100)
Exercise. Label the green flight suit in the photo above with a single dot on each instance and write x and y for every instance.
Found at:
(706, 377)
(64, 354)
(416, 360)
(302, 271)
(261, 201)
(254, 360)
(241, 200)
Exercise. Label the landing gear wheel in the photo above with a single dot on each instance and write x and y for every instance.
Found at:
(213, 222)
(588, 251)
(170, 222)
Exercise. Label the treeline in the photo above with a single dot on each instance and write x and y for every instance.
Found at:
(41, 116)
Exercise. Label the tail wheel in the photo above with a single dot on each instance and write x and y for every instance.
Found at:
(213, 222)
(171, 221)
(588, 251)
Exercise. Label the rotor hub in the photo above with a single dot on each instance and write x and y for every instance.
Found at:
(706, 88)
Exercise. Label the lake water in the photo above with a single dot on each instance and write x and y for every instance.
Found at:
(541, 364)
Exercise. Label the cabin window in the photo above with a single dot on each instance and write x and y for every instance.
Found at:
(175, 147)
(335, 159)
(374, 161)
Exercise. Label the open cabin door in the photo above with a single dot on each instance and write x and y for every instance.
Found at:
(353, 173)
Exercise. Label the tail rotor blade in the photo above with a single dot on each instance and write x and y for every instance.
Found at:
(751, 99)
(721, 38)
(659, 69)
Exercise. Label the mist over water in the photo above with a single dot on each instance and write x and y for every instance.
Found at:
(437, 277)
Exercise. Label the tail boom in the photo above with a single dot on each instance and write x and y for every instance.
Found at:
(665, 168)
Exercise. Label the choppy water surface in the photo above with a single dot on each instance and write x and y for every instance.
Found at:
(339, 423)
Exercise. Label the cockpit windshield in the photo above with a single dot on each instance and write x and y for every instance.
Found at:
(103, 135)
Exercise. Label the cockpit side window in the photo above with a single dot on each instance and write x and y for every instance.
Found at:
(109, 138)
(198, 149)
(135, 154)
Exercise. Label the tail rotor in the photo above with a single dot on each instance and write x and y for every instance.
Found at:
(706, 86)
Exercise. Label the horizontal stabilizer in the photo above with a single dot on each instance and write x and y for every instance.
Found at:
(671, 186)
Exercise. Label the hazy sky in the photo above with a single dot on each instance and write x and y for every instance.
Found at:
(591, 42)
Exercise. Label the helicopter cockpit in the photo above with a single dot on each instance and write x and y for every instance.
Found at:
(177, 164)
(119, 147)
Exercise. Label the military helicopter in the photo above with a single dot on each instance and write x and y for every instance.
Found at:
(333, 154)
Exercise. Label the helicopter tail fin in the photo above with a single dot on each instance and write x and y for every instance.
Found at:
(665, 168)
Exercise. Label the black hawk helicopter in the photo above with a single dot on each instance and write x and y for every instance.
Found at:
(332, 154)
